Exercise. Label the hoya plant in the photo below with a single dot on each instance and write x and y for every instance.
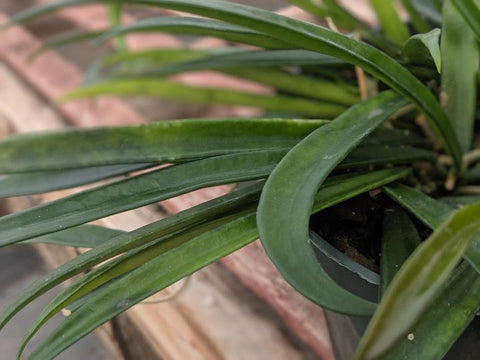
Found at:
(386, 116)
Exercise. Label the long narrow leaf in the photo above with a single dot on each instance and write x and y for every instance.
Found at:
(197, 27)
(124, 264)
(334, 191)
(206, 95)
(470, 10)
(460, 59)
(149, 278)
(309, 37)
(166, 141)
(85, 236)
(135, 192)
(418, 282)
(399, 240)
(41, 182)
(175, 223)
(394, 28)
(288, 196)
(432, 213)
(444, 320)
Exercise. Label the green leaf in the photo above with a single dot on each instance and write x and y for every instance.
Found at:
(85, 236)
(149, 278)
(460, 200)
(365, 156)
(41, 182)
(460, 59)
(431, 212)
(335, 190)
(115, 17)
(237, 59)
(470, 10)
(423, 49)
(124, 242)
(309, 37)
(197, 27)
(161, 142)
(418, 282)
(124, 264)
(299, 85)
(288, 196)
(135, 192)
(444, 320)
(207, 95)
(394, 28)
(428, 10)
(399, 240)
(415, 17)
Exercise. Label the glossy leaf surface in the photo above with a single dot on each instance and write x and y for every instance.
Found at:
(41, 182)
(418, 282)
(166, 141)
(460, 59)
(310, 37)
(423, 49)
(287, 198)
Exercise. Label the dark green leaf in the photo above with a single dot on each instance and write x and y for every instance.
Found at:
(418, 282)
(85, 236)
(470, 10)
(335, 190)
(399, 240)
(393, 27)
(41, 182)
(166, 141)
(423, 49)
(198, 27)
(135, 192)
(288, 196)
(309, 37)
(460, 59)
(124, 242)
(444, 320)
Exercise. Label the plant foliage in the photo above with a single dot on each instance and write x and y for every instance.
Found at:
(407, 140)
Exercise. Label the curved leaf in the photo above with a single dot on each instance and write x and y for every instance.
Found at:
(422, 49)
(419, 281)
(309, 37)
(288, 196)
(146, 280)
(335, 190)
(124, 242)
(161, 142)
(124, 264)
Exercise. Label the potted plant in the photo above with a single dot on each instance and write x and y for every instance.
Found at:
(389, 167)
